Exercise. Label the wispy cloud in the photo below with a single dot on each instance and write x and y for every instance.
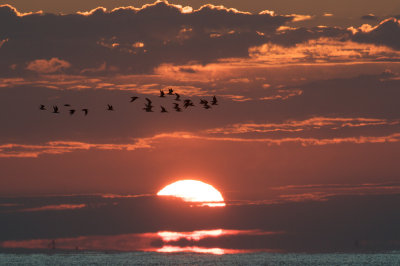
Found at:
(48, 66)
(16, 150)
(59, 207)
(60, 147)
(322, 192)
(323, 50)
(275, 141)
(333, 123)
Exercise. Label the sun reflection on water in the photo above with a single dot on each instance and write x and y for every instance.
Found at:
(174, 249)
(170, 242)
(195, 235)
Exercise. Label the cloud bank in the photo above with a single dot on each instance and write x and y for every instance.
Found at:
(131, 40)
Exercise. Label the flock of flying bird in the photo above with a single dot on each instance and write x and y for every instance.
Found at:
(148, 105)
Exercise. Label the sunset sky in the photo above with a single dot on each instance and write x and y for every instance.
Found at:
(304, 144)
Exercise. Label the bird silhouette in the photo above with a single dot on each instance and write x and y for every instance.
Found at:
(162, 94)
(202, 101)
(71, 112)
(133, 98)
(55, 109)
(67, 105)
(163, 110)
(42, 107)
(178, 97)
(187, 103)
(170, 92)
(206, 106)
(110, 107)
(177, 108)
(214, 101)
(148, 102)
(148, 108)
(86, 111)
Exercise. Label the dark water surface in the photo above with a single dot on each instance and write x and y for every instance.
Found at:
(152, 258)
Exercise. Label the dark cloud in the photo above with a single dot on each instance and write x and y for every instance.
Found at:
(129, 39)
(187, 70)
(136, 40)
(386, 33)
(369, 17)
(299, 35)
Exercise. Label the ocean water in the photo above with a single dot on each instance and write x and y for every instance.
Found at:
(152, 258)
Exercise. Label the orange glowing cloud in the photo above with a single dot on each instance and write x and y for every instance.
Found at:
(333, 123)
(59, 147)
(11, 150)
(278, 141)
(283, 94)
(21, 14)
(322, 50)
(48, 66)
(99, 9)
(2, 42)
(366, 28)
(297, 17)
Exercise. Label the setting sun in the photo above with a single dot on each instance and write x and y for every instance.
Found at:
(194, 191)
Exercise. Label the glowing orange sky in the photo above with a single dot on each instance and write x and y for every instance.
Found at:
(305, 99)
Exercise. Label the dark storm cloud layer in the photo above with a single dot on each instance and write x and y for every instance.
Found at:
(386, 33)
(135, 40)
(350, 223)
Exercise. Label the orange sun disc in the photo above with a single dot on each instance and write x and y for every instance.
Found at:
(194, 191)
